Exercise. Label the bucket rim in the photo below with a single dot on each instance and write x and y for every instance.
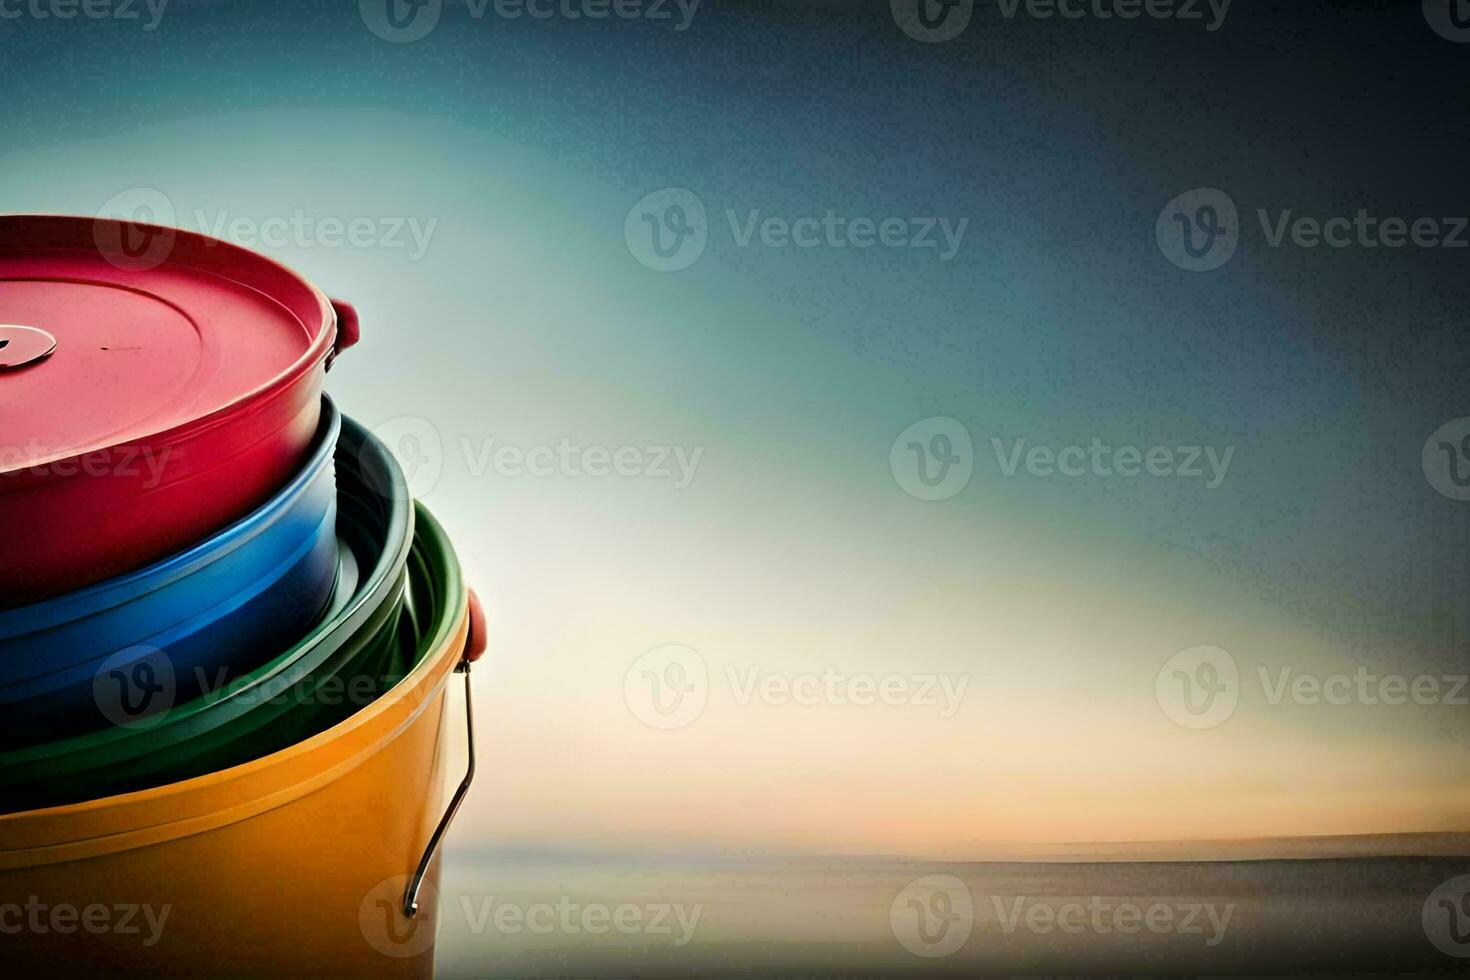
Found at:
(123, 589)
(380, 587)
(143, 818)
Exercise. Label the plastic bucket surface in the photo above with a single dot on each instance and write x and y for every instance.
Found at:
(155, 386)
(292, 864)
(120, 651)
(345, 661)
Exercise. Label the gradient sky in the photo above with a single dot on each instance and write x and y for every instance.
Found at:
(527, 320)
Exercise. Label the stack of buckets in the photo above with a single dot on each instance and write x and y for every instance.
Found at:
(226, 631)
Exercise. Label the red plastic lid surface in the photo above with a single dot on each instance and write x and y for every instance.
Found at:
(142, 342)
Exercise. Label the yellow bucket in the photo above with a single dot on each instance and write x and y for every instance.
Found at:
(295, 863)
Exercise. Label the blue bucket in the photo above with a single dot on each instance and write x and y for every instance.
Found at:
(179, 628)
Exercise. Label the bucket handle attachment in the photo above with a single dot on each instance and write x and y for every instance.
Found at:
(474, 649)
(349, 330)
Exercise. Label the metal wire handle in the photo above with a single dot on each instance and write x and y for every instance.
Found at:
(476, 640)
(411, 897)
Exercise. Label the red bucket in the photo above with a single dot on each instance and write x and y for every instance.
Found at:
(155, 386)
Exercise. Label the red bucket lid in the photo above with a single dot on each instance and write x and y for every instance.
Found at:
(112, 332)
